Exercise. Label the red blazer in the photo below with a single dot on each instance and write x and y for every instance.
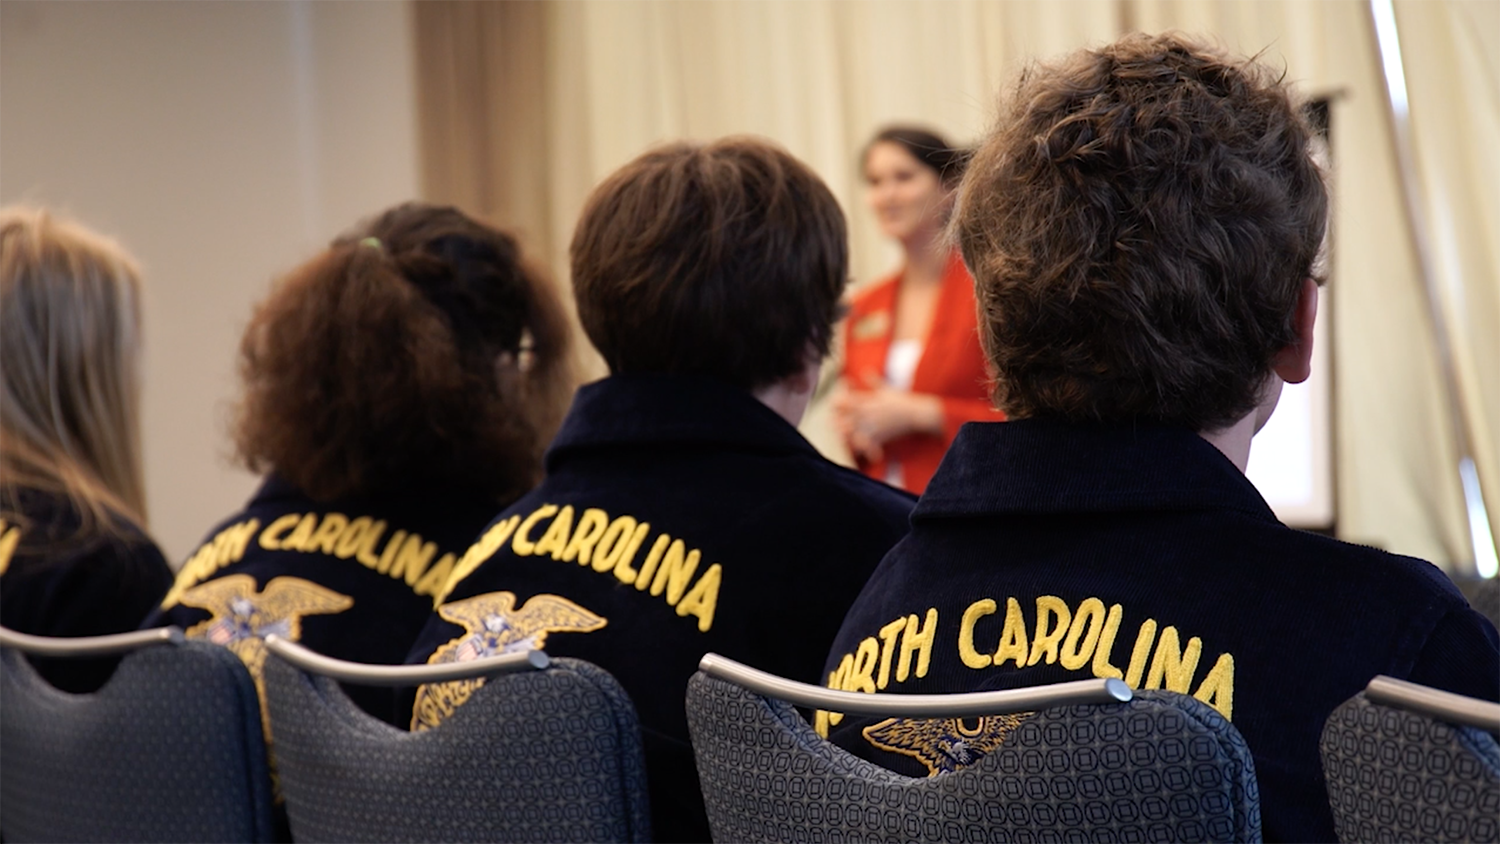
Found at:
(952, 367)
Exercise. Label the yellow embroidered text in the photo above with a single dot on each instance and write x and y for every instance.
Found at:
(610, 546)
(403, 556)
(1084, 637)
(227, 546)
(904, 642)
(10, 536)
(994, 634)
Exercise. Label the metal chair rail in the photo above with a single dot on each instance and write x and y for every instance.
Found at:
(403, 675)
(963, 705)
(88, 646)
(1444, 706)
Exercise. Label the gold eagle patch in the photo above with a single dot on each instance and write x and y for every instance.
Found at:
(943, 745)
(242, 617)
(492, 626)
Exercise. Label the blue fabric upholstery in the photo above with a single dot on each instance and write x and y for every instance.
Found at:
(550, 755)
(1162, 767)
(1395, 775)
(170, 749)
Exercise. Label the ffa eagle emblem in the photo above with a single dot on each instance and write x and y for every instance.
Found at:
(242, 617)
(943, 745)
(492, 626)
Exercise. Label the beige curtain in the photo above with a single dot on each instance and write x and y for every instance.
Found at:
(1453, 74)
(526, 105)
(482, 125)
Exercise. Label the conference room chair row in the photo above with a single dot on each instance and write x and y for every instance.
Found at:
(548, 749)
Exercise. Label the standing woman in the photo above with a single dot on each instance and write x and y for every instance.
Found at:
(74, 556)
(912, 362)
(399, 388)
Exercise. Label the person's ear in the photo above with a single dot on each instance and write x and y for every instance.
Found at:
(1293, 364)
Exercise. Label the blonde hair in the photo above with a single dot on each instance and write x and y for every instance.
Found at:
(69, 389)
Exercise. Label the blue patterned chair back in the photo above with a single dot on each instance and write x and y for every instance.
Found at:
(1162, 767)
(552, 755)
(1398, 775)
(170, 749)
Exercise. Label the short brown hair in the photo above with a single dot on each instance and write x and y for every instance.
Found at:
(416, 350)
(724, 260)
(1139, 226)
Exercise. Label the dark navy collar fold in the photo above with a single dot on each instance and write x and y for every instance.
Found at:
(416, 499)
(1037, 467)
(676, 410)
(274, 488)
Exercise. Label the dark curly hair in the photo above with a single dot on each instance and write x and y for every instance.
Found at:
(417, 350)
(1139, 226)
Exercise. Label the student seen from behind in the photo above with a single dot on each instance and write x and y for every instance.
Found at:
(398, 388)
(1143, 228)
(75, 559)
(681, 511)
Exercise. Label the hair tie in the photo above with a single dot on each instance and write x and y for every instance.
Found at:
(373, 243)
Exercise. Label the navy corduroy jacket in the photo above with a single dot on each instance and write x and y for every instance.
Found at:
(1042, 553)
(678, 516)
(351, 579)
(59, 579)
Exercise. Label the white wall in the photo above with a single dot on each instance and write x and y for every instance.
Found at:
(222, 143)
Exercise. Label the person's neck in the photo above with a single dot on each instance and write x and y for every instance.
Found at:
(784, 401)
(926, 259)
(1234, 441)
(789, 396)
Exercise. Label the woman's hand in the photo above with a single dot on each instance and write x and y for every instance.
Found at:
(868, 419)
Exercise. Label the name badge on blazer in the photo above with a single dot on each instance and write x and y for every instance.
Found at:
(871, 326)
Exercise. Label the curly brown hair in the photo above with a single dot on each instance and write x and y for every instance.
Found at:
(1139, 226)
(417, 350)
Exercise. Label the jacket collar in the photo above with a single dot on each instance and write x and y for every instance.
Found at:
(1033, 466)
(414, 497)
(653, 409)
(275, 488)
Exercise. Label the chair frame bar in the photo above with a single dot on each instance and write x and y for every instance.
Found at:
(963, 705)
(1444, 706)
(72, 647)
(365, 674)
